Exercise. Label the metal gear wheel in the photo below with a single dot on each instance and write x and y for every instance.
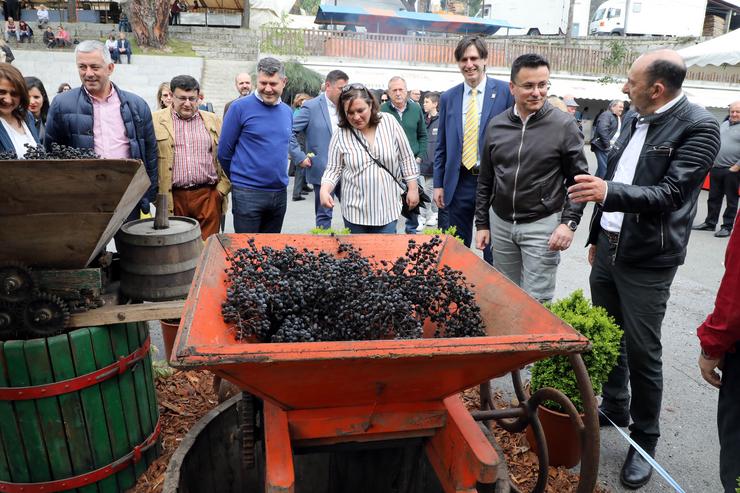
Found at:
(45, 315)
(16, 283)
(9, 321)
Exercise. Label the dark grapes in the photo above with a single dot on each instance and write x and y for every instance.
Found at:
(305, 296)
(58, 151)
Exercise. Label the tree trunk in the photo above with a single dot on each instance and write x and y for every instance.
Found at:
(245, 15)
(149, 20)
(569, 28)
(71, 11)
(409, 5)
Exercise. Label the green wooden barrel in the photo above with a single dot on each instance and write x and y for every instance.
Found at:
(109, 425)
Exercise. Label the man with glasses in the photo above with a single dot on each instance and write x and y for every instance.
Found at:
(253, 151)
(530, 153)
(99, 115)
(464, 113)
(317, 121)
(187, 145)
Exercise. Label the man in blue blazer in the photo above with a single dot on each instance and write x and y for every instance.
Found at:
(317, 119)
(455, 175)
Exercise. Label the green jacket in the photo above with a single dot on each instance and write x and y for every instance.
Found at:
(413, 124)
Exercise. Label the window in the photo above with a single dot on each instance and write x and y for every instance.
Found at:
(598, 15)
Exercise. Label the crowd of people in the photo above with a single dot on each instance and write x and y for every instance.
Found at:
(497, 157)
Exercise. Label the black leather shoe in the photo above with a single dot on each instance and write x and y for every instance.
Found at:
(636, 471)
(723, 233)
(296, 199)
(703, 227)
(621, 419)
(308, 188)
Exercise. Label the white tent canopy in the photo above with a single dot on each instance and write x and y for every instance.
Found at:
(721, 50)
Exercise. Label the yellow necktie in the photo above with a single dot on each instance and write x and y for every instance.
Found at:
(470, 136)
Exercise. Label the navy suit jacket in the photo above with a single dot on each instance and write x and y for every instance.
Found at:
(448, 156)
(314, 121)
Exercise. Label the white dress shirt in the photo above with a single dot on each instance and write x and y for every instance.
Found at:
(625, 172)
(332, 108)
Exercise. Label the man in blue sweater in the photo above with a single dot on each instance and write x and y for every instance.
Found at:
(253, 152)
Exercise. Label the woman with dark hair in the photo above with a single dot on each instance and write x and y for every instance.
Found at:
(370, 154)
(164, 96)
(16, 123)
(63, 87)
(38, 104)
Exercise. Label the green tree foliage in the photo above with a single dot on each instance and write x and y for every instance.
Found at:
(310, 7)
(300, 79)
(599, 327)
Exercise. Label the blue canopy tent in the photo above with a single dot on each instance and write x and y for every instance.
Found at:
(400, 22)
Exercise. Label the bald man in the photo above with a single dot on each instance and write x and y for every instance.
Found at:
(243, 84)
(644, 208)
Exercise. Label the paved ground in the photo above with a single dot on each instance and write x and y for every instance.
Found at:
(689, 447)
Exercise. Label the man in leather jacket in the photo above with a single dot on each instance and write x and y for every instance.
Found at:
(639, 232)
(605, 132)
(530, 152)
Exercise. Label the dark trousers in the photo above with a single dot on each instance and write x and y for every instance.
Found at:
(461, 210)
(728, 421)
(324, 215)
(636, 297)
(258, 211)
(601, 162)
(299, 181)
(722, 183)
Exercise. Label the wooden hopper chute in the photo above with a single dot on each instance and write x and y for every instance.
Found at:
(61, 213)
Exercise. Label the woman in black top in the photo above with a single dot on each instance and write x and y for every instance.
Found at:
(38, 104)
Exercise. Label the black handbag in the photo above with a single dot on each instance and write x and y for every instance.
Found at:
(405, 210)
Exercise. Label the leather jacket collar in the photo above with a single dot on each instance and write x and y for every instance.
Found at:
(546, 108)
(661, 117)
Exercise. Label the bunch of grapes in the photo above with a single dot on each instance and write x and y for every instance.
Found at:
(58, 151)
(305, 296)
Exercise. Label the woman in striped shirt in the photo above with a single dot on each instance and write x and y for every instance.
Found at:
(371, 197)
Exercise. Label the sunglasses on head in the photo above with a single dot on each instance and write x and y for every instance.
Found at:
(354, 87)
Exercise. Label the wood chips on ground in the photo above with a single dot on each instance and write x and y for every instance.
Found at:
(186, 396)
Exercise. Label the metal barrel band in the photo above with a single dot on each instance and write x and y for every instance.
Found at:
(77, 383)
(91, 477)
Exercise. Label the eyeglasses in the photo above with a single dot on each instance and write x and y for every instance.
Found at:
(183, 99)
(529, 87)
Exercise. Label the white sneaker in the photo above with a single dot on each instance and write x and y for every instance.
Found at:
(421, 227)
(432, 221)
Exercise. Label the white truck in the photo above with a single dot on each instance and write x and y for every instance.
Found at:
(649, 18)
(538, 17)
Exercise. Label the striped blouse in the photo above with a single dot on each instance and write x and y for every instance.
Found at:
(370, 196)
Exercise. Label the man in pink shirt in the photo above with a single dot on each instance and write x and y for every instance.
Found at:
(101, 116)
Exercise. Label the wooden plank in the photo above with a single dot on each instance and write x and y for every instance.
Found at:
(12, 445)
(140, 384)
(69, 282)
(113, 314)
(119, 342)
(92, 405)
(74, 420)
(113, 404)
(30, 427)
(50, 415)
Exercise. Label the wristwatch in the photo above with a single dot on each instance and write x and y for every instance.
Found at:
(572, 225)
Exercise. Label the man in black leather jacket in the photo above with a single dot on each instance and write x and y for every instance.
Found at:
(531, 151)
(639, 232)
(605, 132)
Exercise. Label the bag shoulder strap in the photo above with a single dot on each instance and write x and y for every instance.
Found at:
(376, 160)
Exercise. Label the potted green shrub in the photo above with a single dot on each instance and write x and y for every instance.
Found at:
(556, 372)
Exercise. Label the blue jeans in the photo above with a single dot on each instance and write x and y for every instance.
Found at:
(601, 162)
(359, 229)
(258, 211)
(411, 224)
(324, 215)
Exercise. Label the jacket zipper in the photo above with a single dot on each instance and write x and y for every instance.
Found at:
(662, 246)
(516, 174)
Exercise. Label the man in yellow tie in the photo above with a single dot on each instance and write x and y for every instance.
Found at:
(531, 153)
(464, 112)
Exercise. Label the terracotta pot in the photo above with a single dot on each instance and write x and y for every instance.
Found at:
(563, 442)
(169, 331)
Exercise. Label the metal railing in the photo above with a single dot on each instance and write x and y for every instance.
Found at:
(438, 50)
